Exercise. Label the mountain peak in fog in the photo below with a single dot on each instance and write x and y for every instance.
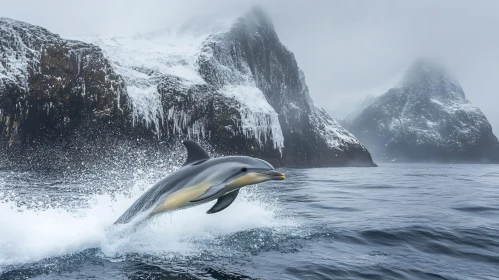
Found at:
(227, 81)
(426, 118)
(427, 71)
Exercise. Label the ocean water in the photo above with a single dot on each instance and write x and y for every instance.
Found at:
(397, 221)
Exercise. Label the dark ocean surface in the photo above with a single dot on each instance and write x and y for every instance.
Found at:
(397, 221)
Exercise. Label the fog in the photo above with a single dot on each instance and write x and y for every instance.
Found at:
(347, 49)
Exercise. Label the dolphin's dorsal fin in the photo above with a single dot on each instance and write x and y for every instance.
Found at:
(194, 152)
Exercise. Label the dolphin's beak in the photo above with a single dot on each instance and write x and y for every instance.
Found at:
(273, 175)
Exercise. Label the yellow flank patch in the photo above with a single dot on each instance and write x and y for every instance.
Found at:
(181, 198)
(248, 179)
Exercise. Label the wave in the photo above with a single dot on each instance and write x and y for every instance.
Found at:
(269, 232)
(477, 209)
(37, 231)
(199, 248)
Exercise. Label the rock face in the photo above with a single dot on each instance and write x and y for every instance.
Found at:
(426, 118)
(229, 84)
(49, 86)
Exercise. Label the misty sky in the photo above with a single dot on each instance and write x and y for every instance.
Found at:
(347, 49)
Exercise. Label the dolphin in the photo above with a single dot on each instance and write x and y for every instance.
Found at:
(201, 179)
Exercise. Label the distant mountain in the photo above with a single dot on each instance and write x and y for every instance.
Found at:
(366, 102)
(426, 118)
(230, 84)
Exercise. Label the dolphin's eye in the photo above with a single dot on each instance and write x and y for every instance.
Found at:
(244, 169)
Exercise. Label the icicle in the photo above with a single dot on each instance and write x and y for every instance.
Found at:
(258, 119)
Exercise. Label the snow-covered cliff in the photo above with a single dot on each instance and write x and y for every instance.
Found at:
(229, 83)
(426, 118)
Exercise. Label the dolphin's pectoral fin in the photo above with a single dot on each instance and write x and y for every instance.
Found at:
(213, 190)
(223, 202)
(194, 152)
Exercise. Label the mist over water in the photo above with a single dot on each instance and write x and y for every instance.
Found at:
(405, 221)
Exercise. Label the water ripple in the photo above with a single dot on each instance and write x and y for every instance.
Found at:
(398, 221)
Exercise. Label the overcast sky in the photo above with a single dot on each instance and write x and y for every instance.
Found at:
(347, 49)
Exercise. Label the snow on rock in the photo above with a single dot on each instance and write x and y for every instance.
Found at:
(44, 78)
(142, 61)
(331, 131)
(180, 121)
(258, 119)
(427, 117)
(230, 82)
(335, 136)
(18, 54)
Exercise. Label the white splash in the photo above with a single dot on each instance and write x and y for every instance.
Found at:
(29, 235)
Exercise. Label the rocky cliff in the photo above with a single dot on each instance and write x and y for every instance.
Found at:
(426, 118)
(230, 84)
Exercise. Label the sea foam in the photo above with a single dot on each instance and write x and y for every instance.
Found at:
(32, 234)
